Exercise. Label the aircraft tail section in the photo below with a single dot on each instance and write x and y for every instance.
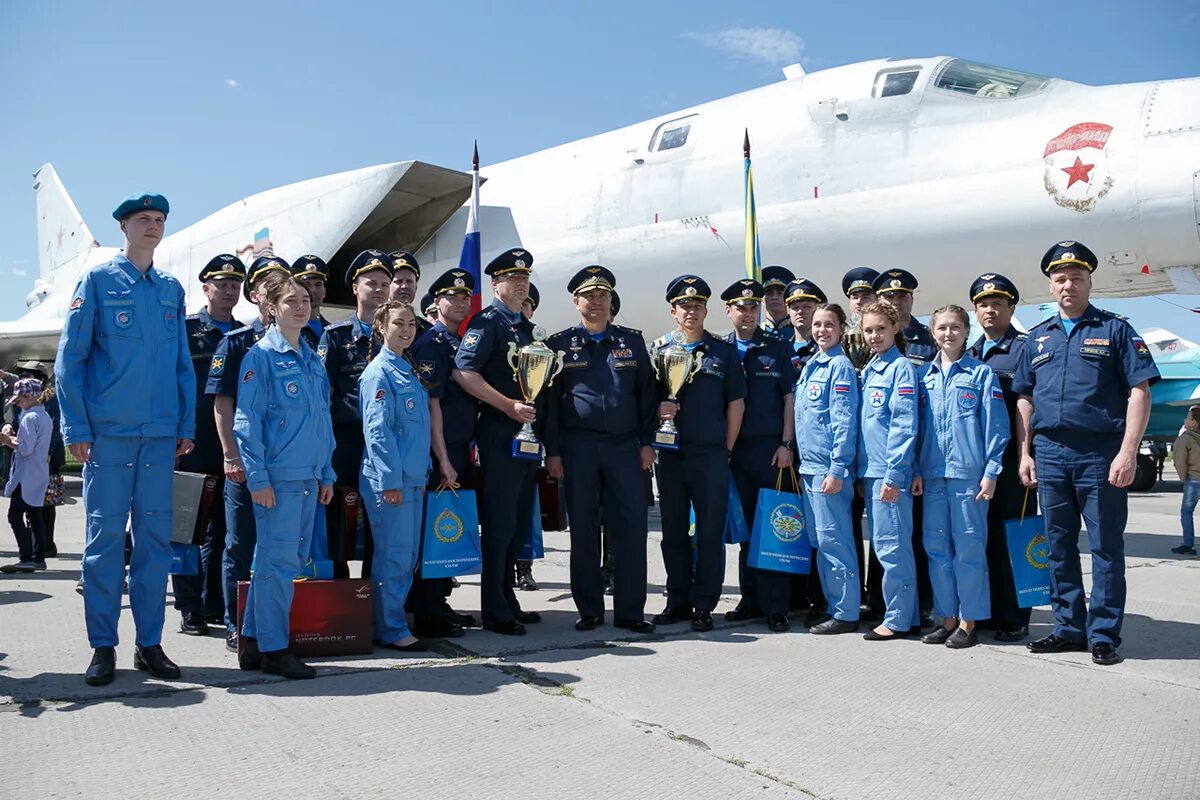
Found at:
(63, 237)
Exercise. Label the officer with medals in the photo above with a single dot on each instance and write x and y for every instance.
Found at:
(764, 443)
(406, 273)
(452, 415)
(1084, 386)
(777, 320)
(198, 597)
(1002, 347)
(895, 287)
(601, 419)
(346, 349)
(483, 369)
(524, 574)
(708, 414)
(126, 387)
(224, 379)
(313, 272)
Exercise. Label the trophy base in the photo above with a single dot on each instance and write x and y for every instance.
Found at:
(527, 450)
(666, 440)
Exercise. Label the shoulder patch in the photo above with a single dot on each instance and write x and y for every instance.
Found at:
(470, 341)
(379, 395)
(248, 376)
(217, 366)
(77, 303)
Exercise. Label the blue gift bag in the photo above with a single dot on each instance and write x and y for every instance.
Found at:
(532, 546)
(185, 559)
(736, 529)
(779, 540)
(317, 569)
(1029, 553)
(450, 544)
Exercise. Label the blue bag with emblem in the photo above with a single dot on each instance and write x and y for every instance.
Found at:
(1029, 553)
(185, 559)
(532, 546)
(779, 540)
(736, 529)
(450, 543)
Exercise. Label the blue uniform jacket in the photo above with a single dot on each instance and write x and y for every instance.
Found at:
(1080, 383)
(770, 378)
(225, 369)
(282, 422)
(887, 438)
(827, 415)
(963, 423)
(204, 337)
(606, 386)
(702, 401)
(484, 349)
(918, 343)
(1003, 357)
(345, 349)
(123, 367)
(432, 355)
(395, 413)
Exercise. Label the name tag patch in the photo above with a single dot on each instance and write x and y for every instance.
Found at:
(1094, 351)
(1041, 359)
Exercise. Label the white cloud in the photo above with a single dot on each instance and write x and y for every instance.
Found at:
(775, 46)
(20, 273)
(231, 83)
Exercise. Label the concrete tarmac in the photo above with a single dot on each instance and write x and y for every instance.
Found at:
(738, 712)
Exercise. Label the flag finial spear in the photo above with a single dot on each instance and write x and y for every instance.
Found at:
(475, 157)
(746, 144)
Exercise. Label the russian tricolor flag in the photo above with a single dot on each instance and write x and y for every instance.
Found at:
(470, 257)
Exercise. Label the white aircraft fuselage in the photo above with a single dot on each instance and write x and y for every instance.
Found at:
(943, 167)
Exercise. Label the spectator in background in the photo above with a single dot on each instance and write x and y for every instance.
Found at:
(1187, 464)
(26, 487)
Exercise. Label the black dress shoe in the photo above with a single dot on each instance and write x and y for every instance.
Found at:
(231, 638)
(960, 639)
(868, 614)
(778, 623)
(635, 625)
(193, 624)
(50, 552)
(1056, 644)
(743, 613)
(153, 660)
(702, 622)
(249, 659)
(832, 626)
(435, 626)
(672, 614)
(588, 623)
(508, 627)
(872, 636)
(816, 617)
(1105, 654)
(938, 635)
(465, 620)
(1181, 550)
(103, 668)
(1012, 634)
(214, 617)
(927, 620)
(527, 617)
(282, 662)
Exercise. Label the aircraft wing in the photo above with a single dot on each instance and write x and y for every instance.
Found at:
(29, 339)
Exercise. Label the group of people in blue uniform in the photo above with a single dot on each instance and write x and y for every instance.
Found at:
(320, 440)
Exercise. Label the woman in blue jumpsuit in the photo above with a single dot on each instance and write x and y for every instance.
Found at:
(887, 443)
(285, 438)
(827, 418)
(964, 430)
(395, 467)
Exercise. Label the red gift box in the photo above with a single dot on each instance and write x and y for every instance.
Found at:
(329, 618)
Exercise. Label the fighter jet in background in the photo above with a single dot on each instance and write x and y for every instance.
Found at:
(942, 166)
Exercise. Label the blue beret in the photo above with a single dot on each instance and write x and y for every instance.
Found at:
(688, 287)
(142, 202)
(366, 261)
(804, 289)
(859, 279)
(260, 267)
(776, 275)
(992, 285)
(310, 266)
(1069, 254)
(223, 266)
(592, 277)
(510, 262)
(535, 297)
(402, 259)
(747, 290)
(894, 280)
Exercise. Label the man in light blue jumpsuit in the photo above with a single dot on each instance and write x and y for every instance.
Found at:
(127, 389)
(395, 411)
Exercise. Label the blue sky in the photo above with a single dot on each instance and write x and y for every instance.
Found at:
(207, 102)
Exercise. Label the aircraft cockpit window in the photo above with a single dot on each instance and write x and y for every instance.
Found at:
(671, 135)
(982, 80)
(894, 84)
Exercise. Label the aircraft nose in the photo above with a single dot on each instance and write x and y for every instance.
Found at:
(1168, 180)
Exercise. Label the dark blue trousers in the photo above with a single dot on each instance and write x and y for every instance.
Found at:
(1073, 483)
(505, 512)
(768, 591)
(240, 538)
(205, 592)
(694, 478)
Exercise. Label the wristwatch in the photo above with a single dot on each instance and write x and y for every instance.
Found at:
(789, 444)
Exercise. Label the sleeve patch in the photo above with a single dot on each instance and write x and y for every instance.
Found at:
(77, 303)
(905, 390)
(997, 394)
(217, 366)
(470, 341)
(248, 376)
(379, 395)
(841, 387)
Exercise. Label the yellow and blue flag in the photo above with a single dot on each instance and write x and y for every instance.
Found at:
(753, 254)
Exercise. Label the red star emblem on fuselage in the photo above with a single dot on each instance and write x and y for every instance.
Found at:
(1078, 172)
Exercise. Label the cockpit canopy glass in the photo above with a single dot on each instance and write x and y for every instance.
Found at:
(982, 80)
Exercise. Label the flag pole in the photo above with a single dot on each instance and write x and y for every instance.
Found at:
(752, 252)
